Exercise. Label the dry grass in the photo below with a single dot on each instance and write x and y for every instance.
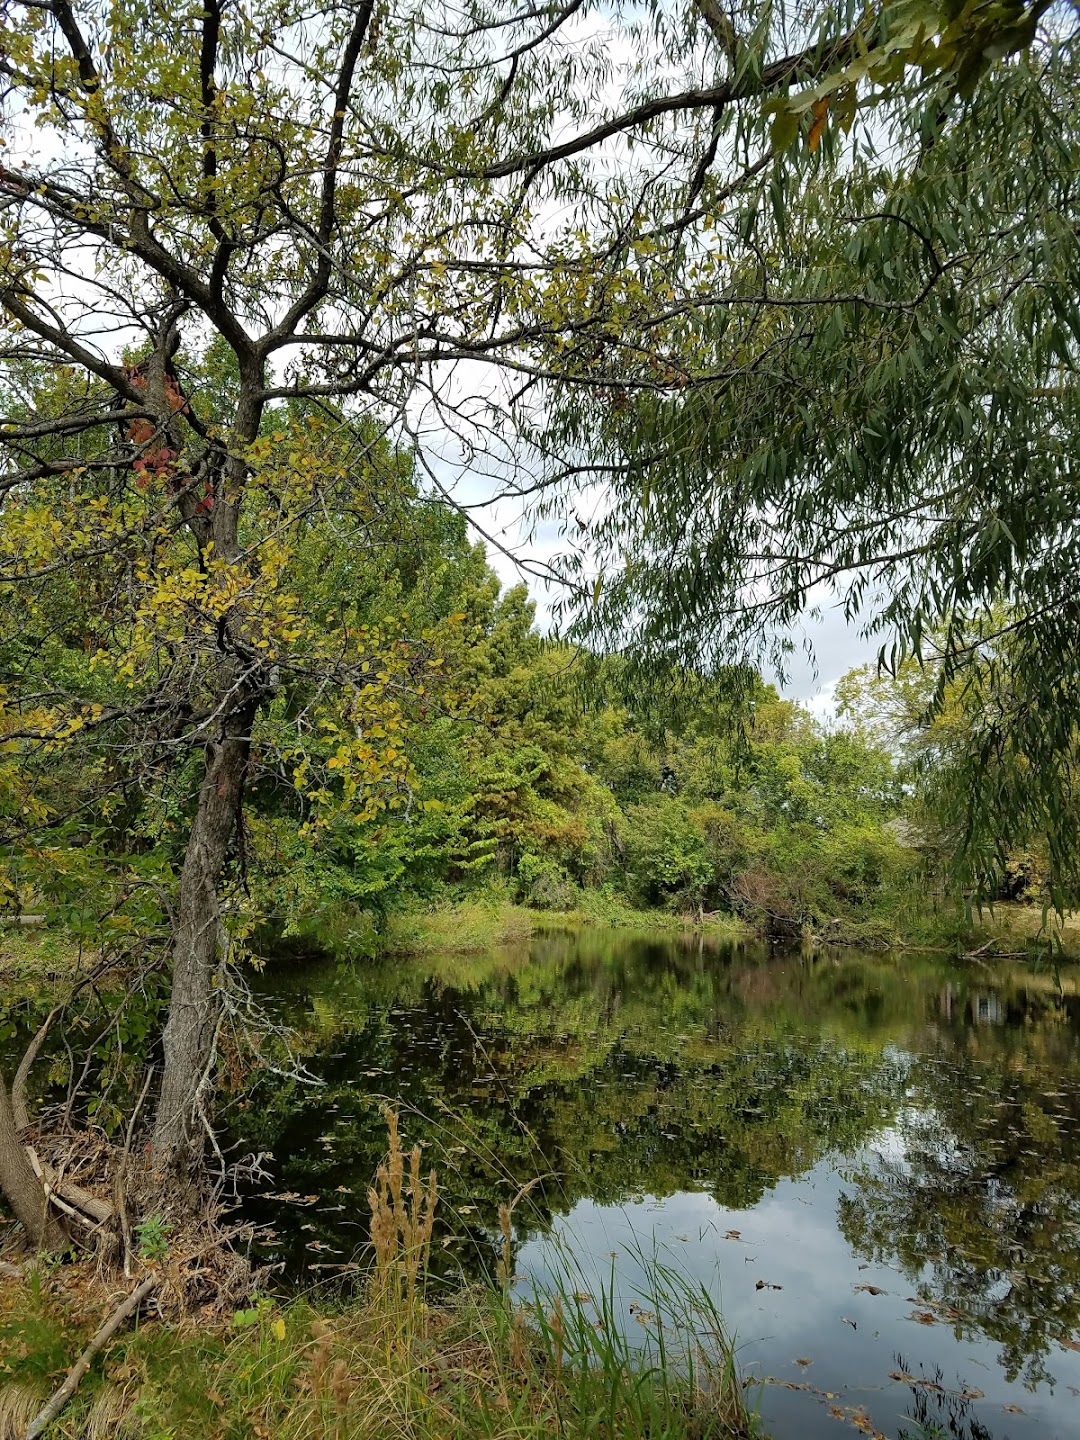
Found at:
(33, 952)
(402, 1219)
(19, 1403)
(481, 925)
(464, 929)
(1006, 929)
(1012, 926)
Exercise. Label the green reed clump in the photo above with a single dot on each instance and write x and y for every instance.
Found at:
(671, 1373)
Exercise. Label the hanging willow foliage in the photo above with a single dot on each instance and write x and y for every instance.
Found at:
(878, 409)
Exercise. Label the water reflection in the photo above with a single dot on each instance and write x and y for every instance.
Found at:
(891, 1138)
(983, 1207)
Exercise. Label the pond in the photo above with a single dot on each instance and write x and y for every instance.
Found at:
(873, 1162)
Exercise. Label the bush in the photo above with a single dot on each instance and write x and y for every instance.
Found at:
(667, 855)
(543, 884)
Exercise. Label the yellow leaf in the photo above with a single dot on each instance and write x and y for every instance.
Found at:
(819, 111)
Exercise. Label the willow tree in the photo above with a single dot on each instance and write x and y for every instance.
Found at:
(878, 411)
(353, 208)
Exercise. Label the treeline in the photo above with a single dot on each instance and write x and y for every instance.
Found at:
(543, 776)
(459, 753)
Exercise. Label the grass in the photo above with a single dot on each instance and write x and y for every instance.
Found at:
(474, 1366)
(34, 952)
(1006, 928)
(598, 908)
(486, 924)
(472, 925)
(392, 1364)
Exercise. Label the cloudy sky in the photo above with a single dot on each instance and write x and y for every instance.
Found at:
(835, 646)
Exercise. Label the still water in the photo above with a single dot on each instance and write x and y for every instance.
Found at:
(872, 1161)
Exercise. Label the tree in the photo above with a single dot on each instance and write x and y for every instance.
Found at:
(879, 411)
(940, 729)
(336, 210)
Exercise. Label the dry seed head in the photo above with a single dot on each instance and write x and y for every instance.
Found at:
(401, 1227)
(320, 1359)
(383, 1224)
(341, 1383)
(502, 1269)
(519, 1341)
(396, 1165)
(558, 1330)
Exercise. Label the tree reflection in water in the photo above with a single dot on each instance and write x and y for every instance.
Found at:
(616, 1067)
(981, 1211)
(939, 1412)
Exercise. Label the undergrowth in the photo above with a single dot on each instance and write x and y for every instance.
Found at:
(1007, 928)
(398, 1362)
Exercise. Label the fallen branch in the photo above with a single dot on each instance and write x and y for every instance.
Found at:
(51, 1193)
(120, 1180)
(983, 955)
(45, 1417)
(22, 1074)
(64, 1194)
(72, 1199)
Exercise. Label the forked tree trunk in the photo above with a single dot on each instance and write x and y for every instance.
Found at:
(22, 1189)
(195, 1005)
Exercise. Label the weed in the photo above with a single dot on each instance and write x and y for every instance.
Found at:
(402, 1219)
(486, 1363)
(153, 1237)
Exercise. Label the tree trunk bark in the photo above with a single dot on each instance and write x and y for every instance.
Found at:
(195, 1006)
(22, 1188)
(180, 1131)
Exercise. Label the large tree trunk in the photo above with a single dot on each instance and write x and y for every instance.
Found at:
(22, 1189)
(195, 1006)
(180, 1129)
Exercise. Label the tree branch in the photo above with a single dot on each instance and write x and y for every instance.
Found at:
(808, 64)
(323, 270)
(126, 1308)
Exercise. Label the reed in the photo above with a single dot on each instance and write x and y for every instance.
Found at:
(402, 1219)
(477, 1366)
